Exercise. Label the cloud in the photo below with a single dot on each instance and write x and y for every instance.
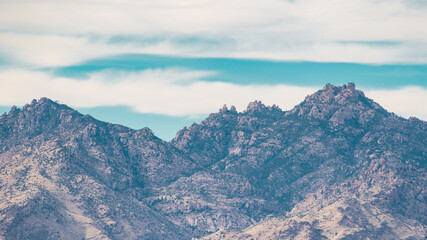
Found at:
(324, 20)
(58, 33)
(47, 50)
(176, 92)
(406, 102)
(50, 49)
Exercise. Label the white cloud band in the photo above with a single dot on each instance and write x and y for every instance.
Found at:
(58, 33)
(177, 92)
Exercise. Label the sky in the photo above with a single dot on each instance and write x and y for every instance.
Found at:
(166, 64)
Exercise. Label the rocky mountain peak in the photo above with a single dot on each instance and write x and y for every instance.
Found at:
(258, 107)
(41, 112)
(38, 108)
(337, 166)
(339, 104)
(225, 109)
(336, 94)
(43, 102)
(255, 106)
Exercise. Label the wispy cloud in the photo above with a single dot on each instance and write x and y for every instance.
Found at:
(176, 92)
(58, 33)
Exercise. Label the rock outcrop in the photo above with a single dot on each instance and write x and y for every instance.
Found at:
(336, 166)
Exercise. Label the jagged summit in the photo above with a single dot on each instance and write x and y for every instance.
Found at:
(38, 106)
(337, 166)
(43, 115)
(225, 109)
(320, 105)
(336, 94)
(258, 106)
(255, 106)
(351, 86)
(338, 104)
(44, 102)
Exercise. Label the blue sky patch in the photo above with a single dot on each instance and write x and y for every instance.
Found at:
(242, 71)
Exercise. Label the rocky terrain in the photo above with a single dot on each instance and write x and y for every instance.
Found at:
(336, 166)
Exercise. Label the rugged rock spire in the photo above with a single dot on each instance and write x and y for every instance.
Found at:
(255, 106)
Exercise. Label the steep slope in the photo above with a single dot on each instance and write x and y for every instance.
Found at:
(336, 166)
(365, 179)
(62, 170)
(328, 141)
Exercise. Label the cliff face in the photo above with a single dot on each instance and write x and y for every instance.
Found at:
(337, 165)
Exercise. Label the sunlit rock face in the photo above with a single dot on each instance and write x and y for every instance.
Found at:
(336, 166)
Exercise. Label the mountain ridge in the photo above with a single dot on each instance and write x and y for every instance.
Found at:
(259, 172)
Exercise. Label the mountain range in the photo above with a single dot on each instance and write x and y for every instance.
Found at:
(336, 166)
